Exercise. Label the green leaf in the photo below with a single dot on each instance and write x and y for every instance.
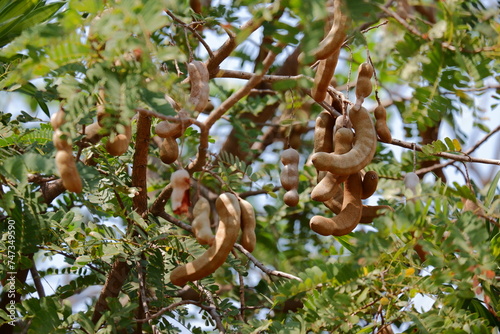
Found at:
(492, 190)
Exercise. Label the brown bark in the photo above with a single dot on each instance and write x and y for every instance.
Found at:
(120, 270)
(429, 135)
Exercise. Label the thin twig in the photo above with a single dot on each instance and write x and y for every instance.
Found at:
(485, 138)
(36, 279)
(450, 162)
(195, 33)
(211, 309)
(166, 309)
(416, 32)
(266, 270)
(456, 157)
(374, 27)
(258, 264)
(143, 297)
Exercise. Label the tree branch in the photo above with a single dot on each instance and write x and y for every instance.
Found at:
(416, 32)
(37, 281)
(258, 264)
(216, 114)
(120, 270)
(270, 272)
(195, 33)
(456, 157)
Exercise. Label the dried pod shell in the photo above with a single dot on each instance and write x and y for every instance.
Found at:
(411, 181)
(327, 187)
(369, 213)
(363, 84)
(180, 182)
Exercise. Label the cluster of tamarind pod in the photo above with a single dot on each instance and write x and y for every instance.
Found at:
(343, 147)
(65, 162)
(198, 101)
(117, 143)
(234, 213)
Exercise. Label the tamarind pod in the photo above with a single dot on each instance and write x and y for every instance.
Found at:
(198, 97)
(350, 215)
(335, 37)
(381, 128)
(369, 212)
(180, 182)
(325, 188)
(201, 222)
(341, 122)
(166, 129)
(323, 133)
(93, 133)
(323, 76)
(370, 182)
(66, 166)
(169, 150)
(359, 156)
(227, 233)
(344, 138)
(365, 70)
(57, 119)
(290, 156)
(248, 223)
(60, 143)
(289, 177)
(119, 144)
(291, 197)
(363, 83)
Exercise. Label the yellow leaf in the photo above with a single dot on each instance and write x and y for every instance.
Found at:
(457, 145)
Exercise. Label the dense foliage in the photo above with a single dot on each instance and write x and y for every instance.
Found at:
(429, 266)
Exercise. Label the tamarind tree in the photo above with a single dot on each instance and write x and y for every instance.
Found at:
(103, 101)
